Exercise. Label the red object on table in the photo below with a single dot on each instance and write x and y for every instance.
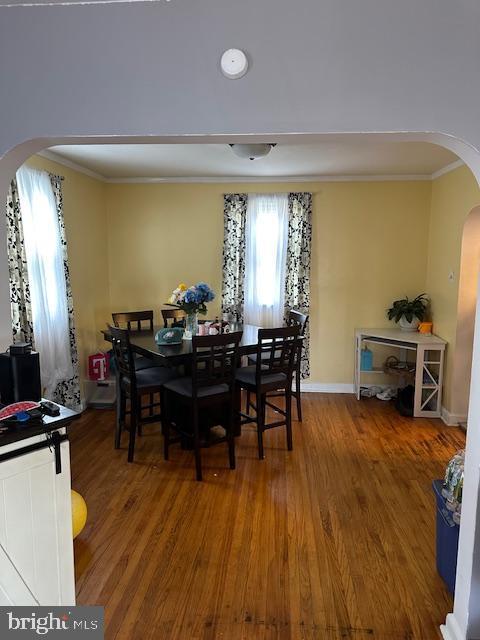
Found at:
(99, 366)
(12, 409)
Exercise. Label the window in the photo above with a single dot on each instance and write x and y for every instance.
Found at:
(265, 256)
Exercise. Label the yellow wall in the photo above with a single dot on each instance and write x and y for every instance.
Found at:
(160, 235)
(369, 247)
(453, 196)
(130, 244)
(86, 230)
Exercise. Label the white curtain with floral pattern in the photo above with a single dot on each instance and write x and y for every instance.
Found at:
(233, 281)
(66, 390)
(297, 280)
(297, 260)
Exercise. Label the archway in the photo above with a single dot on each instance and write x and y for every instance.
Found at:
(467, 301)
(460, 622)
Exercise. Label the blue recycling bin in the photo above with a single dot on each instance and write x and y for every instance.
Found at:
(447, 539)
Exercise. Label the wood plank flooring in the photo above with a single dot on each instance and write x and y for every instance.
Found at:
(333, 540)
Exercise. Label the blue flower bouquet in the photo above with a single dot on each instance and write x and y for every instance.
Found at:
(193, 300)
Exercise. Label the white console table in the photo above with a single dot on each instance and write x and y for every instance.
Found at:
(429, 351)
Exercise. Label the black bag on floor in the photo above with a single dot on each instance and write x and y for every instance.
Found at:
(405, 400)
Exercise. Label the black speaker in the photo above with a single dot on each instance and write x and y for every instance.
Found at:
(6, 379)
(26, 376)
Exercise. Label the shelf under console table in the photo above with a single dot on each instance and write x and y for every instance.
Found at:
(428, 352)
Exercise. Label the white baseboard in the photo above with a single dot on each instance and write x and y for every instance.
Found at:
(452, 419)
(326, 387)
(451, 629)
(334, 387)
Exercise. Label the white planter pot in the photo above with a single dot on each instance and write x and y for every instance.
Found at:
(408, 326)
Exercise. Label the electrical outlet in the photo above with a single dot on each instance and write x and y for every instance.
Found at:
(451, 276)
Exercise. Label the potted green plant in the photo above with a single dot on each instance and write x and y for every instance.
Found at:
(409, 313)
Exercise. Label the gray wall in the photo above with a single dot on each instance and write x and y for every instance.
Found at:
(316, 66)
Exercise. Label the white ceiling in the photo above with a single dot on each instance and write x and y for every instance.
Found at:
(319, 159)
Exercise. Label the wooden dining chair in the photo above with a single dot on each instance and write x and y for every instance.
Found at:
(175, 317)
(134, 385)
(134, 320)
(301, 320)
(278, 351)
(296, 318)
(211, 386)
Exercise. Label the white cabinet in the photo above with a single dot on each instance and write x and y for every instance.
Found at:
(36, 552)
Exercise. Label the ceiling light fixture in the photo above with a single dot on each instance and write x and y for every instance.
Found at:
(252, 151)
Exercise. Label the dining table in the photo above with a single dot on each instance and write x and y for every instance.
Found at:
(180, 355)
(143, 343)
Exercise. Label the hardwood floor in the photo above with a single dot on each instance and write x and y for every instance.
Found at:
(333, 540)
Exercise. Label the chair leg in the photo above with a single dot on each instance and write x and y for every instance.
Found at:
(120, 418)
(134, 415)
(196, 444)
(288, 416)
(165, 427)
(237, 408)
(152, 397)
(247, 405)
(260, 423)
(298, 397)
(161, 398)
(231, 435)
(140, 413)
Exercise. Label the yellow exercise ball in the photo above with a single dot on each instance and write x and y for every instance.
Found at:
(79, 513)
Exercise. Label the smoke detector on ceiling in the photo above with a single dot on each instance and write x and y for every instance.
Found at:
(234, 64)
(252, 151)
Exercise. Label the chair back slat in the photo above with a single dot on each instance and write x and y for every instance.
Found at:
(123, 353)
(215, 360)
(297, 318)
(132, 320)
(277, 351)
(177, 316)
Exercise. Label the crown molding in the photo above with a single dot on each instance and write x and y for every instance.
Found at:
(51, 155)
(263, 179)
(54, 157)
(449, 167)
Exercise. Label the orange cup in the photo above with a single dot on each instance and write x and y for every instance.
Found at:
(425, 327)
